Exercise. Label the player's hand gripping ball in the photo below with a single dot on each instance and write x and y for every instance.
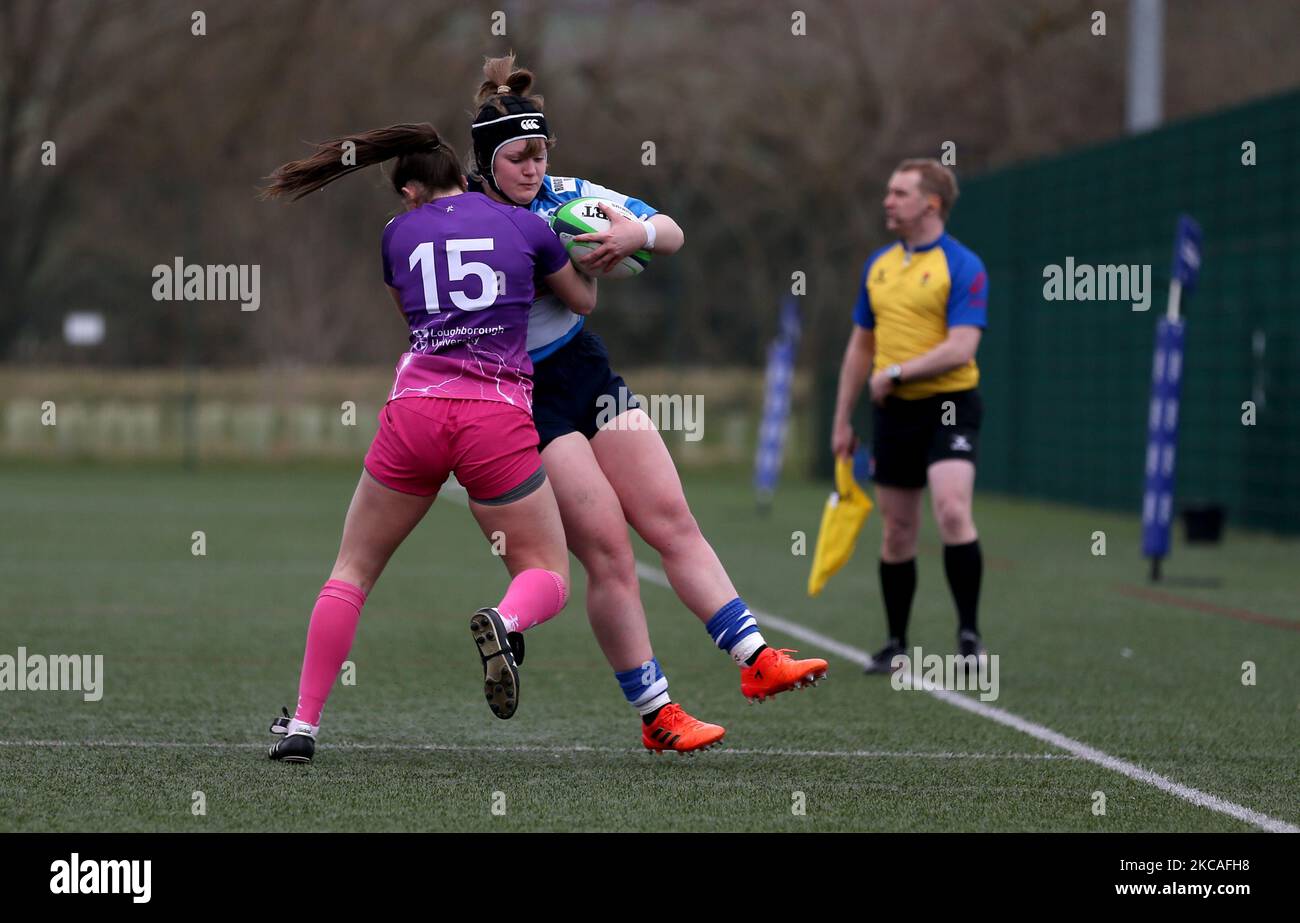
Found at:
(583, 226)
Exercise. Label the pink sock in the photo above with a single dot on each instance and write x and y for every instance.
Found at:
(534, 596)
(329, 638)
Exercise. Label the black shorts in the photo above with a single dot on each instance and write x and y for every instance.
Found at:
(909, 436)
(575, 390)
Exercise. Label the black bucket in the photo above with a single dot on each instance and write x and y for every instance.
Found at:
(1203, 524)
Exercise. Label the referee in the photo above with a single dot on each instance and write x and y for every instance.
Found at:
(921, 308)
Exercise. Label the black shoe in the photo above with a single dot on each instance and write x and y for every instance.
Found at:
(972, 651)
(291, 748)
(882, 660)
(516, 639)
(500, 671)
(294, 748)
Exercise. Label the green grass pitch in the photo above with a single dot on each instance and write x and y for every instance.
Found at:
(201, 652)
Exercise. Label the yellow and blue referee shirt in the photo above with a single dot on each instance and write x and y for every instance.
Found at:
(911, 297)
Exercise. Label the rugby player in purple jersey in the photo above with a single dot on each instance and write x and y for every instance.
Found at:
(461, 269)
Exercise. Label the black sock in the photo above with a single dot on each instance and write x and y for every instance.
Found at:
(649, 719)
(898, 586)
(964, 566)
(749, 661)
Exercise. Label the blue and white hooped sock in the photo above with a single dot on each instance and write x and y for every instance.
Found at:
(734, 629)
(645, 687)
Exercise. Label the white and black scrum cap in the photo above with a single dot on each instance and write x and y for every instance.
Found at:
(492, 130)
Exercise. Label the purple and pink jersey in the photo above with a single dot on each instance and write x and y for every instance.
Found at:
(466, 269)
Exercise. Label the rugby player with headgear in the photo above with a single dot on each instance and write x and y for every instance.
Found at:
(608, 474)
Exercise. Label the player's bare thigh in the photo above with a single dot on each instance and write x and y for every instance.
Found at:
(379, 519)
(594, 523)
(528, 531)
(642, 472)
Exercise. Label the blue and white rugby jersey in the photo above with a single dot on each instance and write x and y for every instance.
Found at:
(550, 323)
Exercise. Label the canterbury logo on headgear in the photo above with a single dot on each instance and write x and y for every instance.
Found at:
(529, 124)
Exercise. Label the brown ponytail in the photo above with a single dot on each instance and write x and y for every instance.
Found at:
(501, 72)
(422, 156)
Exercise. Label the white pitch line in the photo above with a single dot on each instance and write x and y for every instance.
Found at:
(526, 748)
(1007, 719)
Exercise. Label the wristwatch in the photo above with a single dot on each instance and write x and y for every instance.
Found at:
(895, 373)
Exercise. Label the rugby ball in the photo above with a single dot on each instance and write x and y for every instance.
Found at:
(583, 216)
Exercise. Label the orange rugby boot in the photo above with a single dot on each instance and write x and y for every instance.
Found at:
(774, 671)
(675, 730)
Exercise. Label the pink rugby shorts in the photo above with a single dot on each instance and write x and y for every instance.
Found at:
(491, 446)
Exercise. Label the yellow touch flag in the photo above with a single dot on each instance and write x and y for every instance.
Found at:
(846, 510)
